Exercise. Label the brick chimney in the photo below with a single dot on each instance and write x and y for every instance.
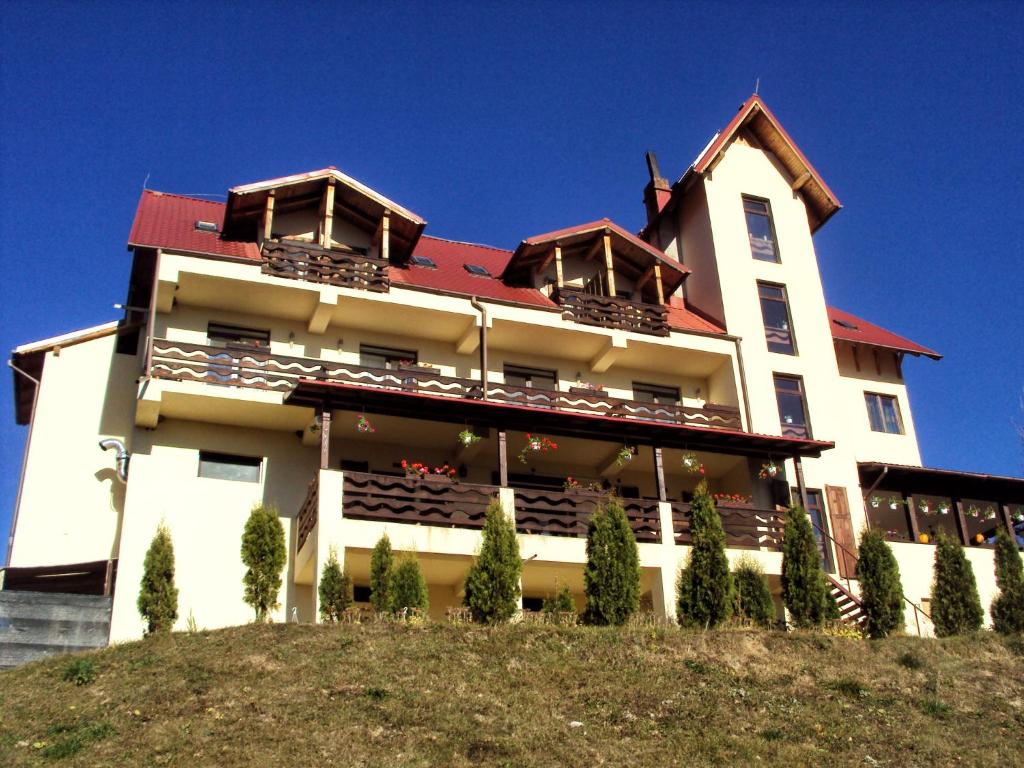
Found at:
(657, 193)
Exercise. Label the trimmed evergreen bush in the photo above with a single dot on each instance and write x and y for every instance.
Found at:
(158, 597)
(335, 589)
(263, 553)
(560, 602)
(711, 589)
(1008, 605)
(956, 607)
(881, 591)
(804, 588)
(683, 594)
(753, 598)
(408, 587)
(611, 578)
(492, 585)
(382, 563)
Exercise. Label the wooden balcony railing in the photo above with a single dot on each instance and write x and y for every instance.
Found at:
(308, 512)
(423, 501)
(610, 312)
(302, 261)
(258, 368)
(745, 526)
(555, 513)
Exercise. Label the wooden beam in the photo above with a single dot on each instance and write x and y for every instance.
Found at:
(915, 531)
(607, 239)
(658, 284)
(800, 484)
(961, 520)
(503, 458)
(325, 438)
(1008, 519)
(327, 225)
(268, 216)
(558, 266)
(548, 258)
(642, 280)
(659, 474)
(800, 180)
(385, 235)
(594, 249)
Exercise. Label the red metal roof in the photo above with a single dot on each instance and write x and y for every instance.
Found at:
(169, 221)
(847, 327)
(611, 225)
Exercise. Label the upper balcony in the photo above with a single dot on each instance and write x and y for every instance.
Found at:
(343, 268)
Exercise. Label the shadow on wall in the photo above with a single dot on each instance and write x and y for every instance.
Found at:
(116, 491)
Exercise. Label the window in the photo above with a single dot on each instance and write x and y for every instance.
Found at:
(424, 261)
(655, 393)
(760, 229)
(236, 336)
(385, 357)
(816, 514)
(534, 378)
(778, 326)
(884, 413)
(789, 392)
(225, 466)
(476, 269)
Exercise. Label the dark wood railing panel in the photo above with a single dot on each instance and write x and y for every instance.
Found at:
(744, 526)
(611, 312)
(258, 368)
(423, 501)
(298, 261)
(568, 513)
(308, 512)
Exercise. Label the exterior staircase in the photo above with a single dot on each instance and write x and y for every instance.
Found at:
(851, 610)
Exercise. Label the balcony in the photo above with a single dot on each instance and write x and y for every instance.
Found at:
(610, 312)
(746, 526)
(553, 513)
(247, 367)
(345, 269)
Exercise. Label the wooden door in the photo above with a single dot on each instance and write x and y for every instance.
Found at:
(842, 530)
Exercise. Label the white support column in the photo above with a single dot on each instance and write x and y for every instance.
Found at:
(329, 529)
(663, 591)
(507, 497)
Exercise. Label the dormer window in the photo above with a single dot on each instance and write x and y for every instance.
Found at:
(760, 229)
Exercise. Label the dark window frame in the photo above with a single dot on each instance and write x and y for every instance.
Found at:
(229, 459)
(528, 373)
(792, 429)
(233, 336)
(753, 201)
(393, 357)
(879, 398)
(656, 391)
(780, 345)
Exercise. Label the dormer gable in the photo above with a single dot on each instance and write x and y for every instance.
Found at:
(325, 209)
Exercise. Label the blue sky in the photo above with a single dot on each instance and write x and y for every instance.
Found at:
(497, 122)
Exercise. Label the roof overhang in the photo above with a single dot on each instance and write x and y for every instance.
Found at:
(629, 251)
(506, 416)
(941, 482)
(247, 202)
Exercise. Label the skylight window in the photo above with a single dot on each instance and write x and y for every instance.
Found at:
(423, 261)
(206, 226)
(845, 324)
(476, 269)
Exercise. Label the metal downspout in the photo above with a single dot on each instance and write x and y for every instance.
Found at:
(483, 344)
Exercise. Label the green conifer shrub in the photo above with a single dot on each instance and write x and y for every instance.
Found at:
(753, 598)
(492, 585)
(382, 564)
(158, 597)
(881, 591)
(611, 577)
(1008, 606)
(956, 607)
(683, 594)
(335, 590)
(408, 587)
(560, 602)
(710, 582)
(263, 553)
(804, 588)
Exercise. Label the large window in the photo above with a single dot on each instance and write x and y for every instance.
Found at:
(655, 393)
(789, 392)
(225, 466)
(819, 524)
(236, 336)
(760, 229)
(778, 325)
(385, 357)
(884, 413)
(534, 378)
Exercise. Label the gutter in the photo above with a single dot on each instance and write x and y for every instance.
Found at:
(743, 381)
(483, 344)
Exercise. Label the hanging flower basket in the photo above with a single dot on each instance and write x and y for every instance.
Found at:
(468, 438)
(990, 514)
(691, 464)
(944, 509)
(624, 456)
(769, 471)
(536, 444)
(363, 425)
(874, 501)
(894, 502)
(973, 511)
(925, 507)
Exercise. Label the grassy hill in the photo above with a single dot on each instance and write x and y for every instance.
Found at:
(381, 695)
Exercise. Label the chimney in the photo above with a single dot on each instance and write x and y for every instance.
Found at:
(657, 193)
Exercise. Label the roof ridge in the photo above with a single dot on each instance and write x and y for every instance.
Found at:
(159, 193)
(466, 242)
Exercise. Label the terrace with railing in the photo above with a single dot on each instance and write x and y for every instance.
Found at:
(263, 370)
(345, 269)
(612, 312)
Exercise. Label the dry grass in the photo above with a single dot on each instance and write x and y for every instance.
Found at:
(381, 695)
